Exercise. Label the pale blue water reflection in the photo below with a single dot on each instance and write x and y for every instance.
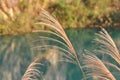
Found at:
(16, 53)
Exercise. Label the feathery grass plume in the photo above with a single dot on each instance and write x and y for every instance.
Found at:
(94, 68)
(33, 72)
(55, 29)
(107, 45)
(49, 21)
(108, 49)
(53, 24)
(38, 67)
(46, 65)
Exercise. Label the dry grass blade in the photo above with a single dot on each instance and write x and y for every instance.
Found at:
(94, 68)
(108, 45)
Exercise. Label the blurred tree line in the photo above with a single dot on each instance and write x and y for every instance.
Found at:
(20, 16)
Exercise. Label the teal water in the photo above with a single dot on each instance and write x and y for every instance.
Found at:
(16, 53)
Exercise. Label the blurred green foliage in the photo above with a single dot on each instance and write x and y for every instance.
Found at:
(85, 13)
(20, 16)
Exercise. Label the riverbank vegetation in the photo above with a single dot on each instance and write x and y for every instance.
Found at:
(20, 16)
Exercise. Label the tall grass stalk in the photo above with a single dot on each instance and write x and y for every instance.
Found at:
(47, 20)
(91, 66)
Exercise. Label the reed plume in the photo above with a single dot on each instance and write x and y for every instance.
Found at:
(57, 30)
(95, 68)
(107, 45)
(90, 65)
(108, 49)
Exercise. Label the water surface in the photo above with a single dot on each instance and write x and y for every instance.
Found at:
(16, 53)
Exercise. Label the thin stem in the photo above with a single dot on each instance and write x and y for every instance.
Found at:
(78, 62)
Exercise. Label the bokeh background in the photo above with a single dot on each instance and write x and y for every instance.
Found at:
(81, 19)
(20, 16)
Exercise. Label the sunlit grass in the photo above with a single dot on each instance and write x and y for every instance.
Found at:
(91, 66)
